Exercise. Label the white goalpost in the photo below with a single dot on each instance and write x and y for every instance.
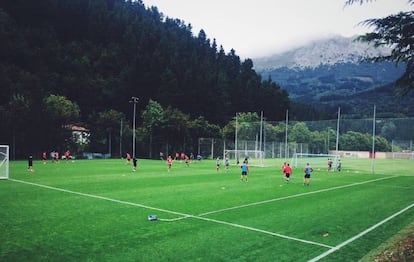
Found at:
(4, 162)
(255, 157)
(319, 161)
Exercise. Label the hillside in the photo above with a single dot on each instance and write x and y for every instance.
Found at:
(65, 62)
(332, 73)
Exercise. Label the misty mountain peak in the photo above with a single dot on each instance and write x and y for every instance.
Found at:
(327, 51)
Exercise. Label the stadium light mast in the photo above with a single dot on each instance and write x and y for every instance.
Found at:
(133, 100)
(261, 131)
(286, 134)
(236, 142)
(337, 131)
(373, 142)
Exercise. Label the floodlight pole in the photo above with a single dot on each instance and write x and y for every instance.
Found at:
(261, 131)
(286, 134)
(236, 142)
(133, 100)
(337, 131)
(373, 142)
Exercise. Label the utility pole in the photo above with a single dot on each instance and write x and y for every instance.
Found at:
(134, 100)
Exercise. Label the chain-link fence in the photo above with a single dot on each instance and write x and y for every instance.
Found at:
(394, 136)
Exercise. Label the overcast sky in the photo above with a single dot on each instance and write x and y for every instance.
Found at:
(264, 27)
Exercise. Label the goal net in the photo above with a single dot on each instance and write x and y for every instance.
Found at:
(4, 162)
(319, 161)
(255, 157)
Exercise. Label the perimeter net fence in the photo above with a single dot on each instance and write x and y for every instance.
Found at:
(359, 138)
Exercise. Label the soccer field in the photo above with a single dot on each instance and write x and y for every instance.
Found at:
(97, 210)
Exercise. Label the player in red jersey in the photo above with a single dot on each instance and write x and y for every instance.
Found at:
(128, 158)
(169, 163)
(44, 157)
(288, 172)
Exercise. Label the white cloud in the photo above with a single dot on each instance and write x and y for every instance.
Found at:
(262, 27)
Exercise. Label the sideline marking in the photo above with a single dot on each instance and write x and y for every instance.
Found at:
(200, 216)
(172, 212)
(263, 231)
(366, 231)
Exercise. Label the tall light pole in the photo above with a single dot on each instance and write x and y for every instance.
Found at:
(133, 100)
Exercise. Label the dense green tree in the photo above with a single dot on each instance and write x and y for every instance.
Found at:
(248, 125)
(318, 142)
(200, 127)
(381, 144)
(352, 140)
(105, 125)
(389, 130)
(152, 116)
(61, 110)
(97, 54)
(175, 129)
(277, 133)
(300, 133)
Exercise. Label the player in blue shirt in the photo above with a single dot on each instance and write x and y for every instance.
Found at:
(308, 170)
(244, 170)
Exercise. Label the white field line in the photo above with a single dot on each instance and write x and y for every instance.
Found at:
(262, 231)
(278, 199)
(101, 198)
(330, 251)
(172, 212)
(200, 216)
(273, 200)
(294, 196)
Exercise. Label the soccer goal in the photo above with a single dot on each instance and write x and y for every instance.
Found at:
(4, 162)
(319, 161)
(255, 157)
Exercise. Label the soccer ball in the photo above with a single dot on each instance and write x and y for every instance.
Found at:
(152, 217)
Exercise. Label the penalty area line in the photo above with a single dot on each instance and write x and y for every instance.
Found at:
(366, 231)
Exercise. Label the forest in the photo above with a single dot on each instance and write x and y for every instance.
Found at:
(66, 63)
(112, 67)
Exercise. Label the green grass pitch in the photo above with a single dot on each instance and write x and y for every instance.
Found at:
(96, 210)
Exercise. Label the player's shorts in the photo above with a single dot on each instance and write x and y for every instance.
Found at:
(287, 175)
(307, 175)
(244, 173)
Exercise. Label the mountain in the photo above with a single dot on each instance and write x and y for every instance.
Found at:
(332, 72)
(326, 51)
